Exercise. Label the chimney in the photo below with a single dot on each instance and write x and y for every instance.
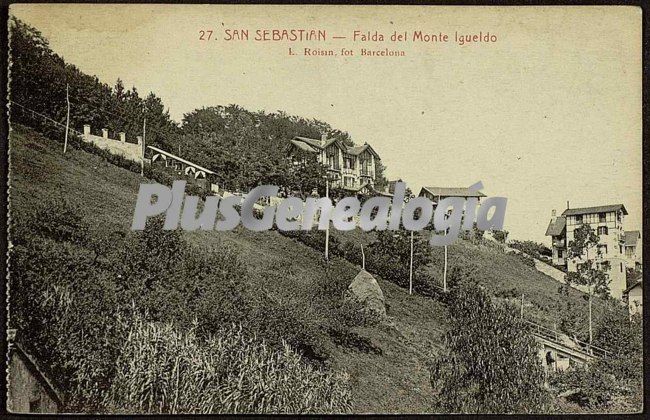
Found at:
(567, 204)
(323, 138)
(139, 139)
(122, 135)
(105, 133)
(553, 215)
(86, 130)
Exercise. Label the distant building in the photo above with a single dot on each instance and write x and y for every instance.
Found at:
(391, 185)
(633, 248)
(607, 221)
(634, 295)
(350, 168)
(196, 174)
(435, 194)
(28, 389)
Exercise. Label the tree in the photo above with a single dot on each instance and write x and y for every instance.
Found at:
(590, 271)
(613, 383)
(490, 364)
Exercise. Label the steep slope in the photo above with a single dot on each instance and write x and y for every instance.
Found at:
(394, 377)
(395, 380)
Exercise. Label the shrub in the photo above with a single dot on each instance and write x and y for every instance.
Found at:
(491, 363)
(532, 248)
(67, 288)
(164, 370)
(500, 236)
(525, 259)
(613, 383)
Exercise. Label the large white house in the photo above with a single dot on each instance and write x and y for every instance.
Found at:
(607, 221)
(350, 168)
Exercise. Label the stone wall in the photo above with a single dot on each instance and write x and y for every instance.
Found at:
(121, 147)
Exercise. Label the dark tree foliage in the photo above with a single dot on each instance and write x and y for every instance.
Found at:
(490, 364)
(613, 383)
(248, 148)
(244, 148)
(69, 287)
(38, 82)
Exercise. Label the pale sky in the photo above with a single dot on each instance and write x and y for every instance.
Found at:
(550, 112)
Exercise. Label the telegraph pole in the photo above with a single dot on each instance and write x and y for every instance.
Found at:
(144, 139)
(67, 121)
(411, 269)
(444, 273)
(327, 230)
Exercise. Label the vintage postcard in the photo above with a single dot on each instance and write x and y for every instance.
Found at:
(259, 209)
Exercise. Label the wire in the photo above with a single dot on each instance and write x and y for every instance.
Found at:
(44, 116)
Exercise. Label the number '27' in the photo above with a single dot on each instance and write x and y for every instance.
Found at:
(205, 35)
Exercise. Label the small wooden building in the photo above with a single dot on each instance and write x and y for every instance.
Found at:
(28, 389)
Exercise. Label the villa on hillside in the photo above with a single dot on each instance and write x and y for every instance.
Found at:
(607, 221)
(350, 168)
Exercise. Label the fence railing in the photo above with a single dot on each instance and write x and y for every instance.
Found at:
(554, 336)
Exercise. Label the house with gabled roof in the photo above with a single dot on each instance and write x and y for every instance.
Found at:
(348, 167)
(634, 296)
(633, 248)
(607, 222)
(28, 388)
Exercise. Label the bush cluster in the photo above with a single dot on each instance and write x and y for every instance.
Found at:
(490, 364)
(74, 294)
(164, 370)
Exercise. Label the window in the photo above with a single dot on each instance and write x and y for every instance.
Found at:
(333, 159)
(35, 405)
(602, 249)
(348, 162)
(366, 167)
(621, 267)
(579, 219)
(602, 217)
(602, 230)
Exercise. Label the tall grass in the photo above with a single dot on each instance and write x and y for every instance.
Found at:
(164, 370)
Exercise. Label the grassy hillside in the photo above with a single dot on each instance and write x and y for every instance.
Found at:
(396, 379)
(389, 371)
(506, 276)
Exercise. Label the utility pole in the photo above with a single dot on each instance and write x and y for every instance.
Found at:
(363, 258)
(67, 121)
(411, 270)
(144, 139)
(327, 230)
(521, 315)
(590, 330)
(444, 274)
